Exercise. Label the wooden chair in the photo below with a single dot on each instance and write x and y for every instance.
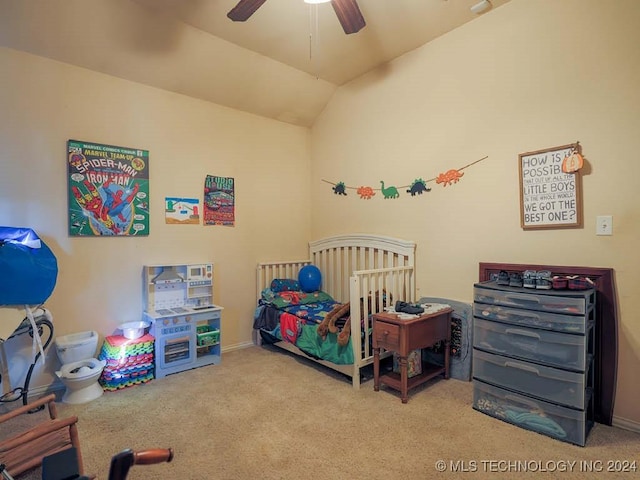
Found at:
(25, 450)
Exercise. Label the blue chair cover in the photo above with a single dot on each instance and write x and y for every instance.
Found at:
(28, 268)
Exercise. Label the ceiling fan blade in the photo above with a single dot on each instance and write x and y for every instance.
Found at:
(349, 15)
(244, 9)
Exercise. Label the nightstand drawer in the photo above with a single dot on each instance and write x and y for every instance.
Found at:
(386, 335)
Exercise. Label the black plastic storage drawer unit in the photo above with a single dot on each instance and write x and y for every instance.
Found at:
(532, 358)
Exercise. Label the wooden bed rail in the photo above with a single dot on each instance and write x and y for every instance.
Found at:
(382, 288)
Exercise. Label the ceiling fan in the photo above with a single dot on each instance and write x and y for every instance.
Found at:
(347, 11)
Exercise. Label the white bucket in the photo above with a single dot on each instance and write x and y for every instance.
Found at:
(133, 330)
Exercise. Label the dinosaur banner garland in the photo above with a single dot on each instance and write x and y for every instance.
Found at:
(417, 187)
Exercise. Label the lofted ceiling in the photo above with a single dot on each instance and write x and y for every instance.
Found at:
(284, 62)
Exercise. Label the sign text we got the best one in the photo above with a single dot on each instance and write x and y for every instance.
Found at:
(549, 197)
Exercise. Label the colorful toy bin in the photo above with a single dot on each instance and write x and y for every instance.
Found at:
(129, 362)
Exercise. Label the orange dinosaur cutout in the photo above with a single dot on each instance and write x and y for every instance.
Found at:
(449, 177)
(365, 192)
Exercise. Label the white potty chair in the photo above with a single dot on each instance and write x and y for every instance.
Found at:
(80, 372)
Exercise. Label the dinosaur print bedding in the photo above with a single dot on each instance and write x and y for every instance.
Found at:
(293, 316)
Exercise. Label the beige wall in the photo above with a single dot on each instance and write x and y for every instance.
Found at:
(44, 103)
(530, 75)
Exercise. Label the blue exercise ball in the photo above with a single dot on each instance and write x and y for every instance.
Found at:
(310, 278)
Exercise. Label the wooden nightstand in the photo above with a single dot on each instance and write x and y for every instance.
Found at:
(403, 336)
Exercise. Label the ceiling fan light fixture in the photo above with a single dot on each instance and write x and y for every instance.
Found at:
(347, 11)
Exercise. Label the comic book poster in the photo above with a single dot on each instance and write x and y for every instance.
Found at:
(108, 190)
(219, 201)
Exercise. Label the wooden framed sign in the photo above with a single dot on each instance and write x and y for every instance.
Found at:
(549, 196)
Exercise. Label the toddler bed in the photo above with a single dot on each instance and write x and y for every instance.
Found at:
(354, 268)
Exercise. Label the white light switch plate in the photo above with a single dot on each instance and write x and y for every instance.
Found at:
(604, 225)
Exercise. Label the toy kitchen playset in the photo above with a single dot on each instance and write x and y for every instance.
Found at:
(184, 320)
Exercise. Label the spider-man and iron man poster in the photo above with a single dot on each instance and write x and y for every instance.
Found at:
(108, 190)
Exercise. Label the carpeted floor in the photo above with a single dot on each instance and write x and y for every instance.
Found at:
(270, 415)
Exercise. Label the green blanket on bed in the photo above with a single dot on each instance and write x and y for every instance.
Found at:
(328, 349)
